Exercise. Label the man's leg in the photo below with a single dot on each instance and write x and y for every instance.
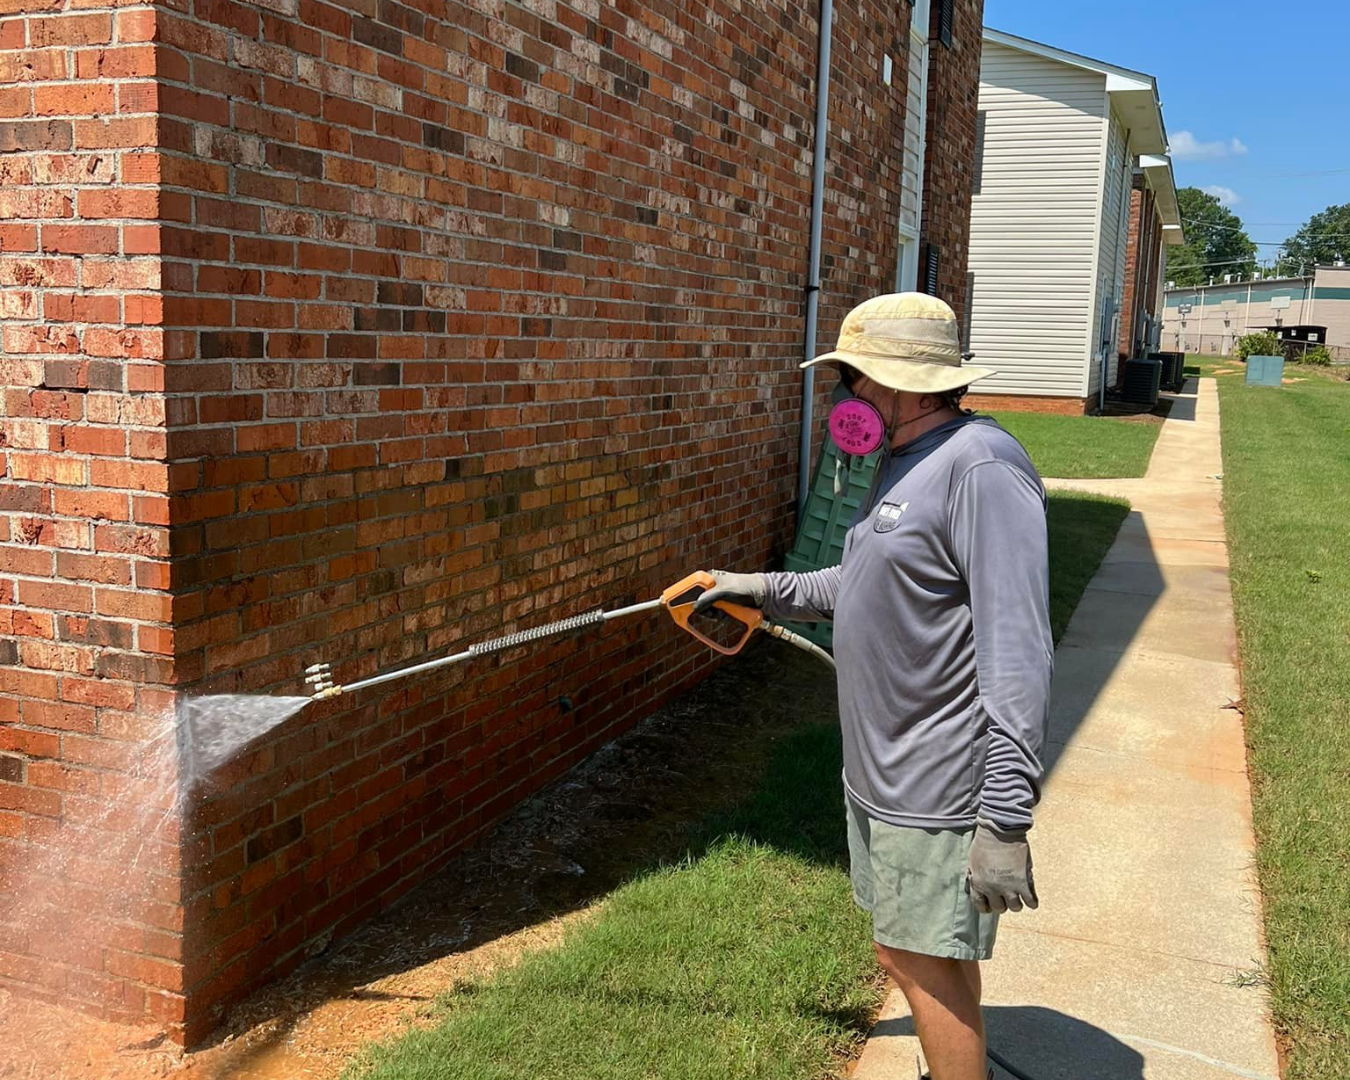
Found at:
(943, 996)
(972, 970)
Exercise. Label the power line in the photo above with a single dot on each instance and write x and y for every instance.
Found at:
(1253, 261)
(1293, 175)
(1203, 263)
(1243, 228)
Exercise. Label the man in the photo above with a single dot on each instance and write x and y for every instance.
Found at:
(942, 639)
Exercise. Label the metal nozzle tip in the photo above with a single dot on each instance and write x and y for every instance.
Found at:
(320, 676)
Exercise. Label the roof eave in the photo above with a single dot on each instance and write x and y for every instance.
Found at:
(1138, 107)
(1158, 172)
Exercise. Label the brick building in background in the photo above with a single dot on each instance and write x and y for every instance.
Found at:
(356, 330)
(1155, 226)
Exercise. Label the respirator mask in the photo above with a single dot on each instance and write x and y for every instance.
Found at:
(857, 428)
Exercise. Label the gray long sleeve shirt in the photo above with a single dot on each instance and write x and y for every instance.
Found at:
(941, 632)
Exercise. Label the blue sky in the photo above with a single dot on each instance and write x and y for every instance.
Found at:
(1243, 144)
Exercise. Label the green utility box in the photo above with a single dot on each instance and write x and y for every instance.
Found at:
(820, 539)
(1265, 371)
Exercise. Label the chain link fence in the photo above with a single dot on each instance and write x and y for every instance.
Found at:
(1226, 345)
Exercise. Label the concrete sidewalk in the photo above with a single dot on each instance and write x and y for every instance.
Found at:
(1141, 961)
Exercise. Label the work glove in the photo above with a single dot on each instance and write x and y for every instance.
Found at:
(748, 590)
(998, 878)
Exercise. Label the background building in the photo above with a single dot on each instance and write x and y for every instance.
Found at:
(1155, 218)
(1072, 167)
(1209, 319)
(355, 335)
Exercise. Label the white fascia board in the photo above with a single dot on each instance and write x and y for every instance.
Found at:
(1125, 84)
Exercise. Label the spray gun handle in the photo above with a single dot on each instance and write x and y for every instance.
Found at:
(681, 597)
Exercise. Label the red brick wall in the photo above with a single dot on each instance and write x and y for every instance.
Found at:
(1129, 301)
(473, 323)
(84, 609)
(1149, 296)
(1142, 259)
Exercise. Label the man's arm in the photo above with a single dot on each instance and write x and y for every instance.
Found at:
(806, 597)
(998, 531)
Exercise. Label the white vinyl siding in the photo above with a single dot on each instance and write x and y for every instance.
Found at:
(1035, 221)
(1111, 266)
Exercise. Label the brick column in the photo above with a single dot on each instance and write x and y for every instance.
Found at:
(90, 916)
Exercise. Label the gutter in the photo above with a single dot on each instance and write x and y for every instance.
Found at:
(809, 351)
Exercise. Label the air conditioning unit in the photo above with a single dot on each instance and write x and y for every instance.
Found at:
(1228, 279)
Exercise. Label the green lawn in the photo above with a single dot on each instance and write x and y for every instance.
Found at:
(1083, 447)
(1287, 499)
(1081, 527)
(747, 960)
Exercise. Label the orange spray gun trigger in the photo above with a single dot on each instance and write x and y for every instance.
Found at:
(680, 599)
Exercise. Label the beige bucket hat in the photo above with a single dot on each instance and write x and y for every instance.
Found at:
(905, 341)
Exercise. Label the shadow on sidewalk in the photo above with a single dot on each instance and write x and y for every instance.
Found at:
(1107, 620)
(1182, 405)
(1046, 1045)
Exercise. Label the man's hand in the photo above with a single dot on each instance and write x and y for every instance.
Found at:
(748, 590)
(999, 876)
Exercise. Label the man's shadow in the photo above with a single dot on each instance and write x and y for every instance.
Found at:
(1027, 1042)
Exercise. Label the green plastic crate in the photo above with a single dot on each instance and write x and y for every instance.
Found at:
(820, 540)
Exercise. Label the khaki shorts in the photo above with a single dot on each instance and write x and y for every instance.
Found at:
(913, 881)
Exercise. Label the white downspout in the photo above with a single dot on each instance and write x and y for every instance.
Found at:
(813, 264)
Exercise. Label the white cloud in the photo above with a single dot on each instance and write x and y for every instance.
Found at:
(1186, 147)
(1226, 195)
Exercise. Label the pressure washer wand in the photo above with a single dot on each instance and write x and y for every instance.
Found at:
(679, 600)
(320, 675)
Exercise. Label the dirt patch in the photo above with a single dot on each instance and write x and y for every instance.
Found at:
(38, 1042)
(624, 810)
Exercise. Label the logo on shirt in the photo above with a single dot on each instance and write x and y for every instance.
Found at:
(889, 515)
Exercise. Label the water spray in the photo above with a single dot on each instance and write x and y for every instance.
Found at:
(213, 729)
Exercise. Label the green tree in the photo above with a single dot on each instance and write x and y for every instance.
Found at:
(1216, 243)
(1324, 238)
